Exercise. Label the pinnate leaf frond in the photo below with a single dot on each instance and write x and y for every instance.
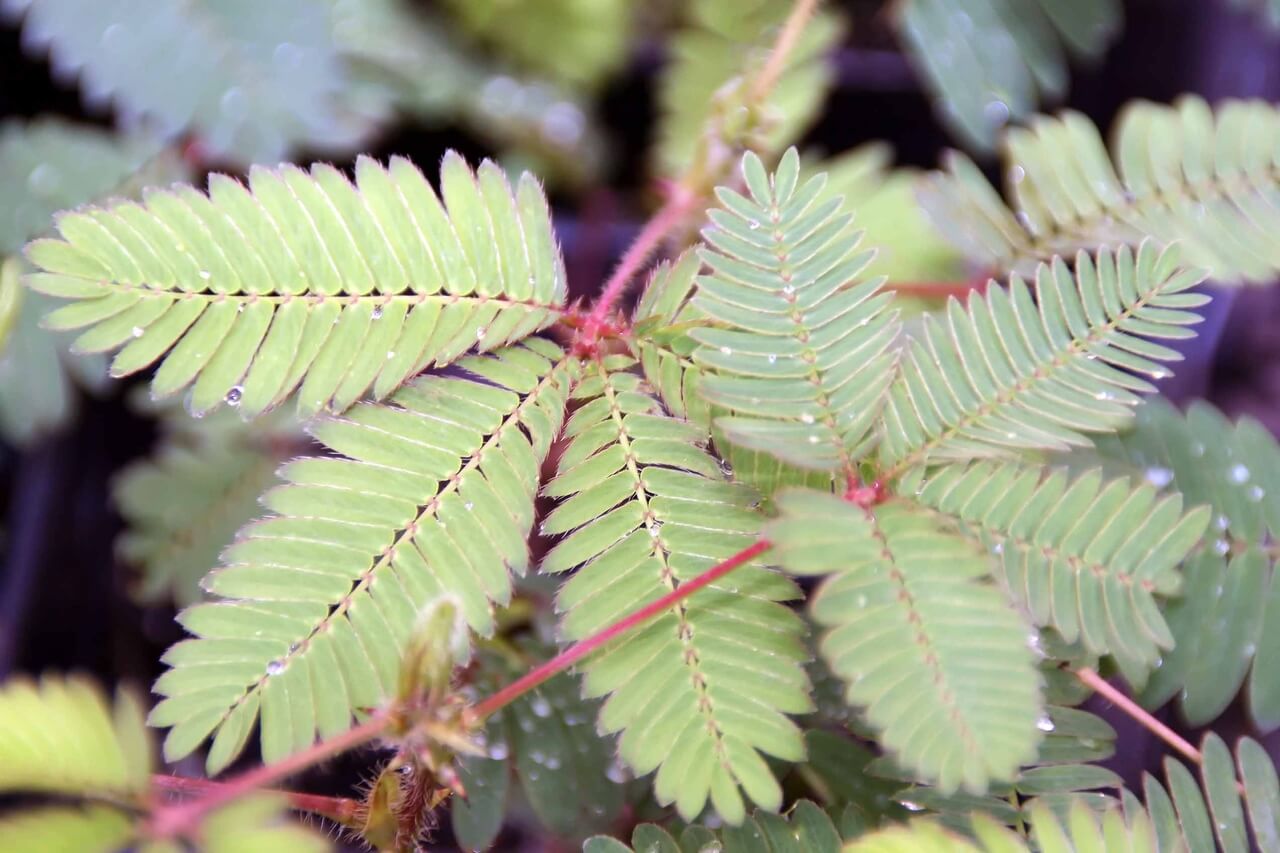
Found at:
(936, 656)
(800, 347)
(1202, 176)
(1086, 556)
(700, 692)
(429, 493)
(60, 736)
(1008, 373)
(805, 827)
(304, 281)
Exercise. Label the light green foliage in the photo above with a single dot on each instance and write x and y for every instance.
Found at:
(305, 281)
(60, 736)
(713, 61)
(431, 492)
(254, 80)
(919, 637)
(1008, 373)
(800, 350)
(988, 62)
(1226, 622)
(804, 829)
(699, 692)
(1201, 176)
(45, 166)
(184, 503)
(908, 248)
(403, 54)
(1086, 557)
(590, 36)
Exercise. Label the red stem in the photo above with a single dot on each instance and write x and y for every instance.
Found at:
(938, 289)
(1100, 685)
(679, 201)
(340, 809)
(173, 820)
(582, 648)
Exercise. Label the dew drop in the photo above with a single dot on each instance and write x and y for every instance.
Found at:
(616, 773)
(537, 756)
(773, 359)
(44, 180)
(1239, 474)
(552, 762)
(136, 331)
(287, 56)
(540, 706)
(911, 806)
(997, 548)
(376, 314)
(813, 439)
(234, 105)
(1045, 724)
(390, 354)
(996, 113)
(1103, 395)
(469, 506)
(234, 395)
(275, 667)
(499, 751)
(1033, 641)
(205, 274)
(752, 224)
(480, 334)
(1197, 449)
(563, 124)
(1223, 522)
(862, 601)
(726, 351)
(1221, 546)
(789, 289)
(1159, 477)
(1256, 493)
(1017, 174)
(806, 418)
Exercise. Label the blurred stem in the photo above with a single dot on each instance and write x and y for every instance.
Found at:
(339, 809)
(179, 819)
(1101, 686)
(764, 82)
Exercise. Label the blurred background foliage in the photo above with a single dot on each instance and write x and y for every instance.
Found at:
(605, 100)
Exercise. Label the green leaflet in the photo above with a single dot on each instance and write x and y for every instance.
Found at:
(990, 61)
(706, 70)
(799, 352)
(1198, 175)
(429, 493)
(1226, 623)
(47, 165)
(700, 692)
(60, 736)
(937, 657)
(1085, 556)
(804, 829)
(225, 76)
(185, 502)
(304, 281)
(1007, 373)
(663, 343)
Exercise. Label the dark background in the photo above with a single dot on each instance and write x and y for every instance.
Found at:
(62, 596)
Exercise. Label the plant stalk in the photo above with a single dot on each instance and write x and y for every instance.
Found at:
(175, 820)
(582, 648)
(1100, 685)
(339, 809)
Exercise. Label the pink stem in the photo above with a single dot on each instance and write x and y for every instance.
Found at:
(173, 820)
(340, 809)
(581, 649)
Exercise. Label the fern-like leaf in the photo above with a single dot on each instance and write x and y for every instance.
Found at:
(1204, 177)
(1010, 373)
(305, 280)
(185, 502)
(61, 737)
(700, 692)
(1085, 556)
(937, 657)
(430, 493)
(252, 81)
(707, 74)
(799, 352)
(990, 61)
(804, 828)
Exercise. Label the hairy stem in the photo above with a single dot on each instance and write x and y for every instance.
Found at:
(1099, 685)
(581, 649)
(764, 82)
(180, 818)
(679, 202)
(339, 809)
